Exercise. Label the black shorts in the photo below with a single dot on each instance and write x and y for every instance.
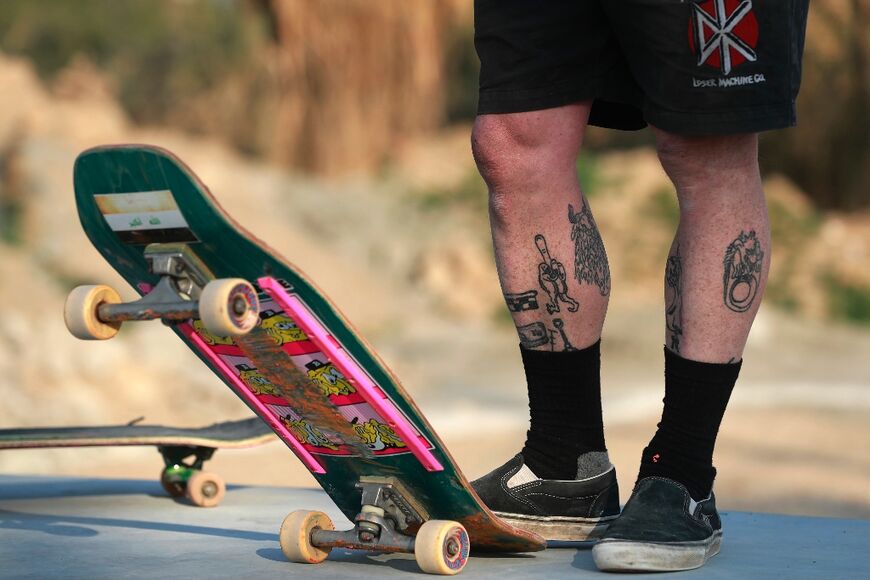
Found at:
(692, 67)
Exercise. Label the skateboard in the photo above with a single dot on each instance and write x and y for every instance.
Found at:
(183, 450)
(285, 350)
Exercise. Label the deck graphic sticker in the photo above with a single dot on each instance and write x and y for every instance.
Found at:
(372, 429)
(144, 217)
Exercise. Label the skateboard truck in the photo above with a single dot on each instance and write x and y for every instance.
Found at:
(186, 290)
(175, 297)
(387, 519)
(382, 523)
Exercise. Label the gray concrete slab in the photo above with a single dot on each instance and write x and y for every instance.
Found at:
(100, 528)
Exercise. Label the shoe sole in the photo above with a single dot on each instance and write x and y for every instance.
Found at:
(560, 527)
(633, 556)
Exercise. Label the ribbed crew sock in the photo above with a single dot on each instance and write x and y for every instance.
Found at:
(696, 395)
(564, 408)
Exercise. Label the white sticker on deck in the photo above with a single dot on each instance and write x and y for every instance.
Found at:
(144, 217)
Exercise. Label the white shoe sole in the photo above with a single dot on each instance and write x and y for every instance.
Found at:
(560, 527)
(627, 556)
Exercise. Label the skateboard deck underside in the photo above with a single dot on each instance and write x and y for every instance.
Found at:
(303, 369)
(230, 434)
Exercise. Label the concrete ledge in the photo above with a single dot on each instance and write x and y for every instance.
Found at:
(101, 528)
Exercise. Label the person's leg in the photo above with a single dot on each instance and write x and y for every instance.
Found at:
(722, 245)
(715, 277)
(708, 93)
(554, 275)
(540, 66)
(556, 282)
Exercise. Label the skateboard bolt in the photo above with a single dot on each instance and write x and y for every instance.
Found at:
(452, 547)
(239, 305)
(367, 531)
(209, 489)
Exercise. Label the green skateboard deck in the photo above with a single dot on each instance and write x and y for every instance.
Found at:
(303, 368)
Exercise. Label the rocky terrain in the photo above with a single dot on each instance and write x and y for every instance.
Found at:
(407, 258)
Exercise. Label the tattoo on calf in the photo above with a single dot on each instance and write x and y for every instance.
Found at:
(560, 328)
(674, 300)
(552, 279)
(533, 335)
(590, 259)
(537, 334)
(742, 277)
(522, 301)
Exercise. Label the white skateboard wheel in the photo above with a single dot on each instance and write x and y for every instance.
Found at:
(205, 489)
(229, 307)
(442, 547)
(80, 312)
(295, 536)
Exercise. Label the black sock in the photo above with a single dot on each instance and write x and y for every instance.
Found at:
(696, 395)
(564, 408)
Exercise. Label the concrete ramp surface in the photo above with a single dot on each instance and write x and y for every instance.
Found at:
(100, 528)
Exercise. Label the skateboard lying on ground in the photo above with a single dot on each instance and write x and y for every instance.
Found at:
(183, 450)
(288, 353)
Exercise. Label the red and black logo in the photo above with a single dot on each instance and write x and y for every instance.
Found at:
(723, 33)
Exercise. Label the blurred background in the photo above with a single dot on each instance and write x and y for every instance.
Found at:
(350, 121)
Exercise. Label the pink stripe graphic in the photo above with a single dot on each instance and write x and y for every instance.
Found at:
(369, 391)
(310, 462)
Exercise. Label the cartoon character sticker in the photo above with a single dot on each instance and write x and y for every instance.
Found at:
(376, 435)
(307, 433)
(210, 338)
(328, 378)
(255, 381)
(281, 327)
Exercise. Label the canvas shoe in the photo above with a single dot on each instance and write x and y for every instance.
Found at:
(661, 528)
(556, 509)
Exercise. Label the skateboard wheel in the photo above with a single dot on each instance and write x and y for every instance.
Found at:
(80, 312)
(295, 536)
(442, 547)
(205, 489)
(229, 307)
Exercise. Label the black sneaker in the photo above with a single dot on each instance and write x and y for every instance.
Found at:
(556, 509)
(661, 529)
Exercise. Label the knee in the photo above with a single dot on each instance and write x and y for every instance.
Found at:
(516, 155)
(695, 161)
(503, 149)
